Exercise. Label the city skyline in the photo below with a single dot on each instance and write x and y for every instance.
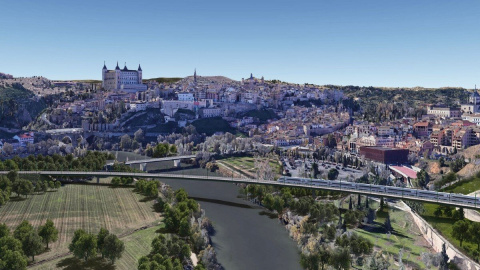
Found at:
(408, 44)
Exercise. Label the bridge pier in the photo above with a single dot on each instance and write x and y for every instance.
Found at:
(143, 167)
(98, 179)
(176, 163)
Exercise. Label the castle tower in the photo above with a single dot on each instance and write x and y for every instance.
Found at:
(104, 71)
(117, 77)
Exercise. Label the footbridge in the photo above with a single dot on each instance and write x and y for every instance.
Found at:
(451, 199)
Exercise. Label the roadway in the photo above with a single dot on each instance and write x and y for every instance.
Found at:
(403, 193)
(151, 160)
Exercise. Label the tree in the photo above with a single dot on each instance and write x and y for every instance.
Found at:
(13, 260)
(48, 232)
(332, 174)
(474, 232)
(460, 230)
(310, 261)
(58, 184)
(459, 214)
(102, 234)
(113, 247)
(139, 135)
(23, 230)
(22, 187)
(438, 212)
(84, 245)
(4, 230)
(388, 224)
(184, 229)
(32, 245)
(423, 178)
(340, 259)
(51, 184)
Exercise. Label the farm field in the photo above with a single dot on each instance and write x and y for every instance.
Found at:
(89, 207)
(137, 245)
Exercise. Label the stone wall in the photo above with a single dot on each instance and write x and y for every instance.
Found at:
(436, 241)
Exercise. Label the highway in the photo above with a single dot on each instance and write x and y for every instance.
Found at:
(456, 200)
(150, 160)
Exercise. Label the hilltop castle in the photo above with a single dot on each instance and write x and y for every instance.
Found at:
(124, 79)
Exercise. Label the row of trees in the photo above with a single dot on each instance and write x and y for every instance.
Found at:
(24, 241)
(91, 161)
(161, 150)
(147, 188)
(172, 251)
(117, 181)
(85, 245)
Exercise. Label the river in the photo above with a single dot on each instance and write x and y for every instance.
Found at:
(244, 238)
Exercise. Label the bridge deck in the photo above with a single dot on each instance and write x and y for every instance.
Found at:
(403, 193)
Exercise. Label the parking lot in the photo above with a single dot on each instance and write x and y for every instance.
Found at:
(323, 167)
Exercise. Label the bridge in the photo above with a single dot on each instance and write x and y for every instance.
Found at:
(143, 162)
(455, 200)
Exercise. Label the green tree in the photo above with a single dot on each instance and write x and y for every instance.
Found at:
(58, 184)
(83, 245)
(48, 232)
(102, 234)
(32, 245)
(460, 230)
(438, 212)
(23, 230)
(13, 260)
(310, 261)
(4, 230)
(184, 229)
(113, 248)
(22, 187)
(474, 232)
(340, 259)
(423, 178)
(332, 174)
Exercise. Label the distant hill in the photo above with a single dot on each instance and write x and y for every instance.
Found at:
(164, 79)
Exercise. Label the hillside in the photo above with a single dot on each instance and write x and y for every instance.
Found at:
(18, 106)
(164, 79)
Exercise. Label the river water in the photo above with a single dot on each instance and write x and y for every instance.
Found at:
(244, 237)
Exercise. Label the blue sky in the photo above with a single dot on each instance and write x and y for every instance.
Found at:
(374, 42)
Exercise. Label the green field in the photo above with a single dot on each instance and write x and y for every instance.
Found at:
(406, 235)
(248, 163)
(89, 207)
(464, 187)
(137, 244)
